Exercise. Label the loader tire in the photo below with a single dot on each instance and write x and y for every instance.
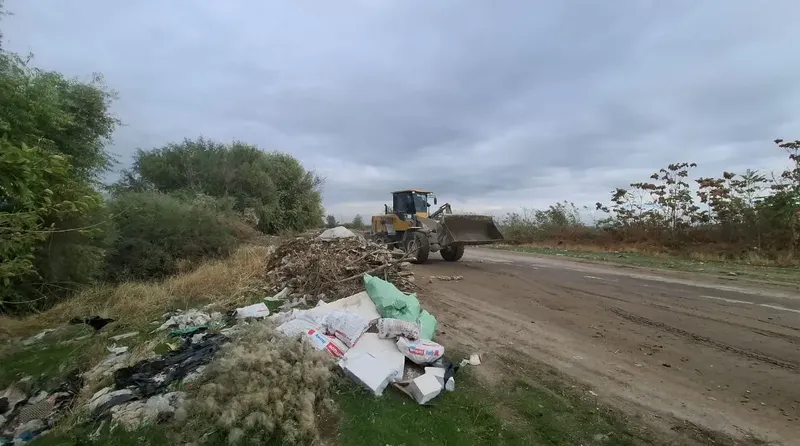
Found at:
(453, 253)
(419, 242)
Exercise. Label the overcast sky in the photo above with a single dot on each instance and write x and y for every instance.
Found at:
(495, 105)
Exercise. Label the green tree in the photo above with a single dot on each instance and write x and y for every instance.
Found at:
(274, 185)
(54, 131)
(358, 222)
(330, 221)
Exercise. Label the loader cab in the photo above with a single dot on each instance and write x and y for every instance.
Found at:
(409, 203)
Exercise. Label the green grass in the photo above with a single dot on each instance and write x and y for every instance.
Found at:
(48, 361)
(778, 275)
(512, 413)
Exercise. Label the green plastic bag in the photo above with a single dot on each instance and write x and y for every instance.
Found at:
(427, 325)
(391, 302)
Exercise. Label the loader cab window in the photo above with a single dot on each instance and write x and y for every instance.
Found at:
(410, 203)
(420, 203)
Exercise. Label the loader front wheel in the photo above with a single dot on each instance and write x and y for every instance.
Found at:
(418, 245)
(453, 253)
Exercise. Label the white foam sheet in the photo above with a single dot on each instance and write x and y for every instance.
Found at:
(359, 303)
(374, 362)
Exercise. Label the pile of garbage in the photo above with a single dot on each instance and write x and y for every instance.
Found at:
(27, 411)
(313, 268)
(381, 337)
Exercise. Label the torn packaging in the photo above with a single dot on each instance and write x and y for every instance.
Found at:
(346, 326)
(152, 376)
(321, 342)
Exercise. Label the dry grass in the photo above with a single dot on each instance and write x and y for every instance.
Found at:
(221, 282)
(264, 387)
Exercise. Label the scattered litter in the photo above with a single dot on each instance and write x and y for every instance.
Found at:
(425, 388)
(293, 303)
(427, 325)
(106, 399)
(474, 359)
(322, 342)
(420, 352)
(390, 301)
(374, 362)
(438, 372)
(107, 367)
(392, 328)
(592, 393)
(189, 318)
(258, 310)
(95, 322)
(299, 322)
(450, 385)
(359, 303)
(187, 330)
(152, 376)
(117, 350)
(394, 304)
(38, 337)
(124, 336)
(447, 278)
(346, 326)
(157, 408)
(284, 293)
(336, 233)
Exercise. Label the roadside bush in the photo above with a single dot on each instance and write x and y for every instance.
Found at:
(273, 187)
(157, 233)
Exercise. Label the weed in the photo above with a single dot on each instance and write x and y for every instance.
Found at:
(264, 387)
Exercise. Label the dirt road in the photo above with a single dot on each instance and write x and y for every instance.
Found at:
(725, 358)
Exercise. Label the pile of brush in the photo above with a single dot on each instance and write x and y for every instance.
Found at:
(332, 269)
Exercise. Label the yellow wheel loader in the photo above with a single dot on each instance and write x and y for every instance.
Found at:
(410, 226)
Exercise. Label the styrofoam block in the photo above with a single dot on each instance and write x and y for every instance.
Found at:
(374, 362)
(425, 388)
(360, 304)
(438, 372)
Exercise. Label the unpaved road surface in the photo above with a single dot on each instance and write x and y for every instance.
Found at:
(669, 349)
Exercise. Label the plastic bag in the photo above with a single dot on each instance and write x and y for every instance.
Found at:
(391, 302)
(393, 328)
(420, 352)
(427, 324)
(346, 326)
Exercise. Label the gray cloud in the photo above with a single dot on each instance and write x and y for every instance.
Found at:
(494, 105)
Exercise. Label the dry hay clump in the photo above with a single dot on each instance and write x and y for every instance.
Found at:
(264, 387)
(310, 267)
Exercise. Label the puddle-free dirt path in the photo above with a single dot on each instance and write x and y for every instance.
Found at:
(669, 349)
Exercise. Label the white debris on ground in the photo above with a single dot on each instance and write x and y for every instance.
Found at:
(337, 232)
(124, 336)
(189, 318)
(38, 337)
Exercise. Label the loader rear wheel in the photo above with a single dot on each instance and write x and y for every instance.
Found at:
(453, 253)
(418, 245)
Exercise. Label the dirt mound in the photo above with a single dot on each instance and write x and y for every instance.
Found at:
(311, 267)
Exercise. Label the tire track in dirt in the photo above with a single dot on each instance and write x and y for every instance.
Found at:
(704, 340)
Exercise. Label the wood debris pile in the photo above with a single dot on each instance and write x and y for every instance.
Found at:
(333, 269)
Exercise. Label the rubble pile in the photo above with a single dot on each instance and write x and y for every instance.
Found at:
(314, 269)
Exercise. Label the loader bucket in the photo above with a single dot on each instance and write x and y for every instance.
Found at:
(467, 229)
